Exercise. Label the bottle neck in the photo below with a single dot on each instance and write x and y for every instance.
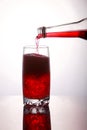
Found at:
(42, 32)
(74, 29)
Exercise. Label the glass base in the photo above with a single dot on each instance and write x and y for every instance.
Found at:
(31, 109)
(36, 102)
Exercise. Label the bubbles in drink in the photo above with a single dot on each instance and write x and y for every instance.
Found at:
(36, 76)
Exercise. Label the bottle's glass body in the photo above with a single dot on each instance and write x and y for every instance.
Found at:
(74, 29)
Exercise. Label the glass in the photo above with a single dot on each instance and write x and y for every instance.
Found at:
(76, 29)
(36, 75)
(36, 118)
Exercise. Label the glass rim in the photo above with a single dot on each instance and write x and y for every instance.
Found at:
(34, 46)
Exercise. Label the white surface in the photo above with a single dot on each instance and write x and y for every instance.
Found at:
(19, 21)
(66, 113)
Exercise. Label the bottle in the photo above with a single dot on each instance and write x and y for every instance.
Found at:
(76, 29)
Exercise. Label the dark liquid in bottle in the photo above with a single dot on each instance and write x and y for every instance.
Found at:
(67, 34)
(36, 76)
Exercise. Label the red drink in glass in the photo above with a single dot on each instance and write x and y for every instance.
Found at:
(36, 77)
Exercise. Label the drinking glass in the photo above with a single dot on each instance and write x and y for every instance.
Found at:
(36, 75)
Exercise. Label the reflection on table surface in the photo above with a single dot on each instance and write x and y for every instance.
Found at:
(36, 118)
(63, 113)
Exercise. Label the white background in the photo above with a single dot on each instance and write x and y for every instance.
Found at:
(19, 20)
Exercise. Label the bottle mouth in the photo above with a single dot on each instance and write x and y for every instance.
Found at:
(42, 31)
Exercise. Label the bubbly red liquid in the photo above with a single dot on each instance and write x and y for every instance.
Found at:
(36, 122)
(36, 76)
